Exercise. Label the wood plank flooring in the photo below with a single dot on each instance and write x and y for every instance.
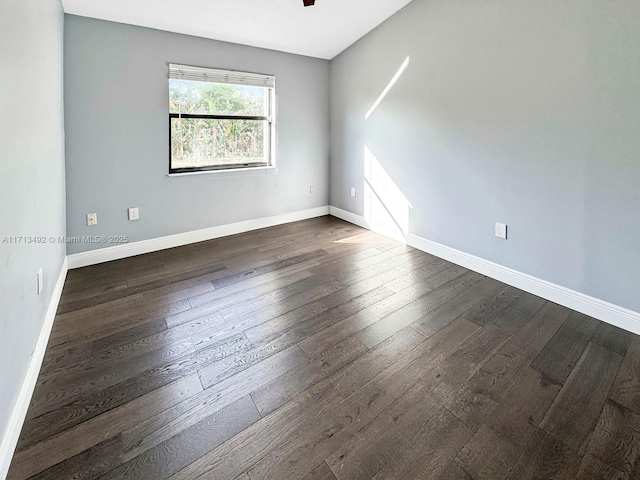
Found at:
(319, 350)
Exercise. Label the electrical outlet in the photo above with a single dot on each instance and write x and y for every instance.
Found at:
(92, 219)
(134, 214)
(501, 230)
(312, 190)
(353, 192)
(40, 281)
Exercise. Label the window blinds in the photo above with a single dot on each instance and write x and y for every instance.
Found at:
(200, 74)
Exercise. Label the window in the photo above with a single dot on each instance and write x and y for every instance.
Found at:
(219, 119)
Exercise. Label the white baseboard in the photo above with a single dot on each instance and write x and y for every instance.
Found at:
(364, 223)
(16, 420)
(117, 252)
(594, 307)
(350, 217)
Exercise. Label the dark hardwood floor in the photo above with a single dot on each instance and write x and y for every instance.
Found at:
(318, 350)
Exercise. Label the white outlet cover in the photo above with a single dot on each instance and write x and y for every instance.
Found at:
(312, 189)
(40, 281)
(92, 219)
(501, 230)
(134, 214)
(353, 192)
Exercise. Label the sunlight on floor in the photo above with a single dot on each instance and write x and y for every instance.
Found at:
(371, 238)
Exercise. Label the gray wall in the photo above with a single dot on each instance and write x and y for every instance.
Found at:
(31, 179)
(117, 134)
(527, 113)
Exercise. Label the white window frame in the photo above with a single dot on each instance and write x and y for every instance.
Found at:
(212, 75)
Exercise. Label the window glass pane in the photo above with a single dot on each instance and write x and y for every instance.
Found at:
(216, 99)
(197, 143)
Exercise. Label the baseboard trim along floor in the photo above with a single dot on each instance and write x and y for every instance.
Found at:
(594, 307)
(118, 252)
(16, 420)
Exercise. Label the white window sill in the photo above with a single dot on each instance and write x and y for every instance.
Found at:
(203, 172)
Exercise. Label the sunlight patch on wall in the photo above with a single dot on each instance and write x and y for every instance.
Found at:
(386, 208)
(386, 90)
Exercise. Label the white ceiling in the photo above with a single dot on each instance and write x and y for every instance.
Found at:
(322, 31)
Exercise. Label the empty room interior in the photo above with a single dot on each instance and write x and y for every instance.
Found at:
(320, 240)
